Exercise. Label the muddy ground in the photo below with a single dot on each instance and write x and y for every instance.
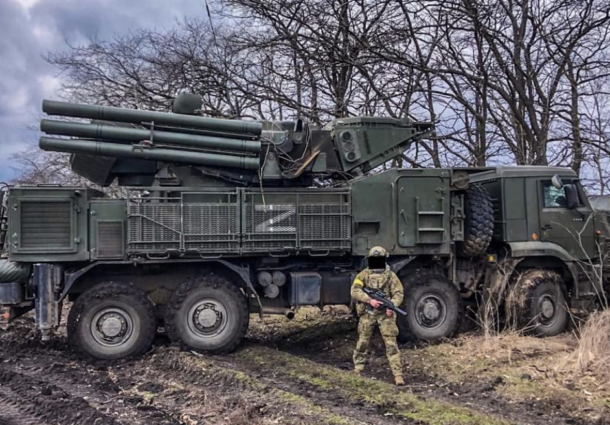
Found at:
(299, 373)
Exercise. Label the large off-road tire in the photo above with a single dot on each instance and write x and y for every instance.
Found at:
(111, 321)
(537, 303)
(208, 314)
(478, 223)
(433, 304)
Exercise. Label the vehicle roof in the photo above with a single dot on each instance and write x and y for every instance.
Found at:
(521, 171)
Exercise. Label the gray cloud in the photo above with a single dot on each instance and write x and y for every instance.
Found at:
(27, 33)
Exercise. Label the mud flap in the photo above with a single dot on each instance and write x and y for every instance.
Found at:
(244, 273)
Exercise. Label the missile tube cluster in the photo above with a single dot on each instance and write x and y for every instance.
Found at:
(159, 136)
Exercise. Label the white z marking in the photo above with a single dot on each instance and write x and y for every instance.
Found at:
(283, 212)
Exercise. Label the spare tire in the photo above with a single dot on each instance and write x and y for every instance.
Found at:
(478, 224)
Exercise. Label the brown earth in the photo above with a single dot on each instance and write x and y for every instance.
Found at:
(298, 372)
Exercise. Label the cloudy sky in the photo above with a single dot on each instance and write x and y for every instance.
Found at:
(31, 28)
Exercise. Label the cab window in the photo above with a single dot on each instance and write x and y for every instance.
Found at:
(553, 197)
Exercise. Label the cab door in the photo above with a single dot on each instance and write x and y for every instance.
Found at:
(573, 229)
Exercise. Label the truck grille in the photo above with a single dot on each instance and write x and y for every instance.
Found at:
(45, 225)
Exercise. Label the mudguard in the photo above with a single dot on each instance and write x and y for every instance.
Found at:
(539, 249)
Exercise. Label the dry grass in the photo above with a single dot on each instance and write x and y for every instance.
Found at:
(593, 352)
(503, 354)
(509, 345)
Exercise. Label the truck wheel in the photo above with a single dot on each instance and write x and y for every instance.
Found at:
(112, 321)
(537, 303)
(207, 314)
(434, 307)
(478, 224)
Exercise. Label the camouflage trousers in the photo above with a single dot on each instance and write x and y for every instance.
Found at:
(389, 332)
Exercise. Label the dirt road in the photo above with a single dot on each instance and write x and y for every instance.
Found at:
(285, 373)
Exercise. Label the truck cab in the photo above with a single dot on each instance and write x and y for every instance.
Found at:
(543, 206)
(543, 219)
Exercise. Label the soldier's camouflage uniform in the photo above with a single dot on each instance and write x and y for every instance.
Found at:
(388, 282)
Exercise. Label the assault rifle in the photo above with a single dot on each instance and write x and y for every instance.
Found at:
(378, 295)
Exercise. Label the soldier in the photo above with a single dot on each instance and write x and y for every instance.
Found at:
(377, 276)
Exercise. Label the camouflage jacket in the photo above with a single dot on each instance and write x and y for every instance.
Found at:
(385, 280)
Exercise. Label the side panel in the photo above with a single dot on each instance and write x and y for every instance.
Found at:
(424, 213)
(315, 220)
(373, 210)
(201, 222)
(514, 210)
(108, 228)
(532, 211)
(48, 224)
(406, 211)
(210, 224)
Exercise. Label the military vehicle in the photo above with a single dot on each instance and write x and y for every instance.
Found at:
(224, 218)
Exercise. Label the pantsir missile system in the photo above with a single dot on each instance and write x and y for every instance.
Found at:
(293, 153)
(224, 218)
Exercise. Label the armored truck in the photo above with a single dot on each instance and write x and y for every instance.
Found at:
(224, 218)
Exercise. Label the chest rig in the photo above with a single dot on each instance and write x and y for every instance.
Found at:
(378, 279)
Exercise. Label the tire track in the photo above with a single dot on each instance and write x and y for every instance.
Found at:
(167, 387)
(92, 382)
(35, 398)
(13, 412)
(200, 376)
(382, 401)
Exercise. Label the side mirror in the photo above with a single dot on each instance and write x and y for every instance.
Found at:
(572, 198)
(556, 181)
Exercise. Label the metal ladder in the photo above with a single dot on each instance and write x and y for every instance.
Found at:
(430, 216)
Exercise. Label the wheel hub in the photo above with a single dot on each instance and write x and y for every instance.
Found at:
(430, 311)
(207, 318)
(111, 326)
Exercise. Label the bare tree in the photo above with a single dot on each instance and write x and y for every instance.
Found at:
(504, 81)
(34, 166)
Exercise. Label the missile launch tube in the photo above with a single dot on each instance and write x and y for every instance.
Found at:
(109, 113)
(91, 147)
(103, 131)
